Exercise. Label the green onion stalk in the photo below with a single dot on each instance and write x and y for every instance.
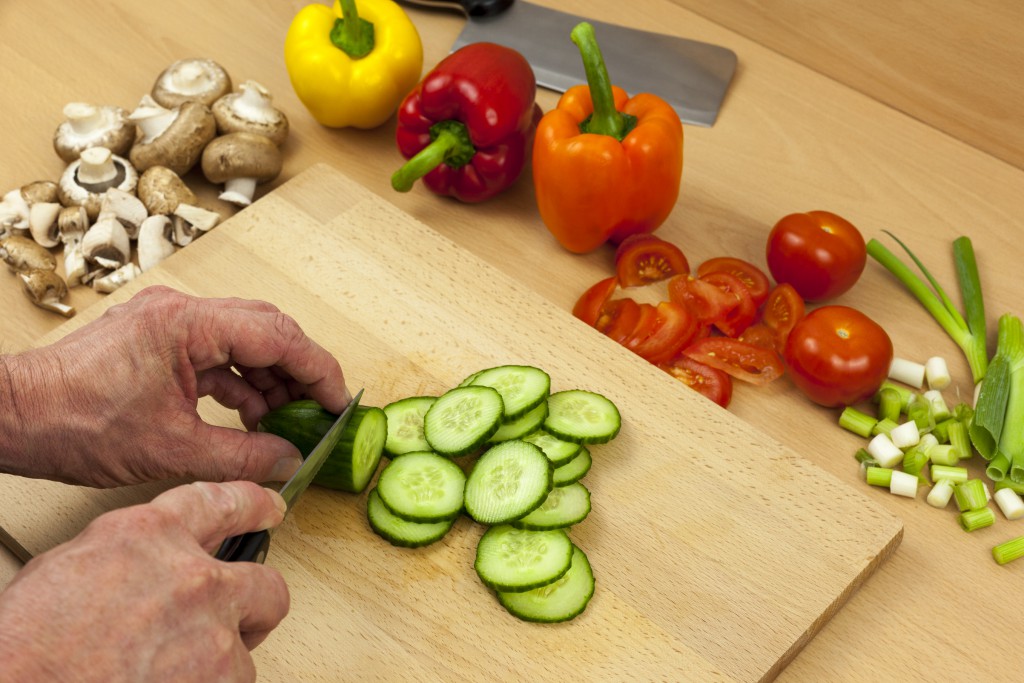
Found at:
(1011, 438)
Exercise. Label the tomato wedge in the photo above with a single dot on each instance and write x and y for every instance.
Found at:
(708, 381)
(671, 328)
(761, 335)
(743, 315)
(743, 361)
(705, 301)
(754, 278)
(618, 318)
(783, 309)
(588, 306)
(642, 258)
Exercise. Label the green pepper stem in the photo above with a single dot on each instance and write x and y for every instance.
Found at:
(450, 144)
(352, 34)
(606, 119)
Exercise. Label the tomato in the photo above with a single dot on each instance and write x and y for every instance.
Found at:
(643, 258)
(782, 310)
(753, 277)
(838, 356)
(710, 382)
(618, 319)
(740, 317)
(705, 301)
(744, 361)
(761, 335)
(671, 328)
(588, 306)
(821, 254)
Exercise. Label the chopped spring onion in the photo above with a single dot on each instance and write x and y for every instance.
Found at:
(905, 393)
(936, 373)
(865, 458)
(908, 372)
(903, 484)
(937, 405)
(957, 436)
(914, 461)
(879, 476)
(970, 495)
(920, 411)
(971, 520)
(905, 435)
(997, 467)
(940, 494)
(990, 408)
(890, 404)
(884, 426)
(856, 421)
(943, 454)
(1009, 484)
(954, 475)
(1009, 551)
(885, 451)
(1009, 501)
(1011, 441)
(927, 441)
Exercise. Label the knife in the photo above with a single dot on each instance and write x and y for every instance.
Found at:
(253, 546)
(690, 75)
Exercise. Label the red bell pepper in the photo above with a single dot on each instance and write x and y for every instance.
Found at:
(466, 129)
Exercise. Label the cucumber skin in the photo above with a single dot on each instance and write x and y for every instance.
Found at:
(523, 588)
(304, 423)
(512, 601)
(378, 516)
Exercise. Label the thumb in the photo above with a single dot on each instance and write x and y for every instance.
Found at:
(212, 512)
(232, 454)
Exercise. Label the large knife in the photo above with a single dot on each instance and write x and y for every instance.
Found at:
(690, 75)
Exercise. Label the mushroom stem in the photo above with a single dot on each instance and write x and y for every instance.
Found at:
(84, 118)
(239, 191)
(97, 166)
(45, 289)
(152, 119)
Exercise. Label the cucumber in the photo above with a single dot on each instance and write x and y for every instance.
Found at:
(405, 425)
(559, 601)
(520, 427)
(354, 460)
(522, 387)
(401, 532)
(507, 482)
(515, 560)
(564, 506)
(462, 420)
(558, 451)
(422, 487)
(574, 470)
(582, 416)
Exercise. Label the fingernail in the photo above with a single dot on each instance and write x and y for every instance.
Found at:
(285, 468)
(282, 506)
(348, 396)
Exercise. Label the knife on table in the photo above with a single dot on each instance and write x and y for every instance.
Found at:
(253, 546)
(690, 75)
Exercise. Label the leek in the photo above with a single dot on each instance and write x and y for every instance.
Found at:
(1009, 551)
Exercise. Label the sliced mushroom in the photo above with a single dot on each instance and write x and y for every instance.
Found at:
(118, 278)
(251, 110)
(88, 125)
(17, 206)
(174, 138)
(84, 181)
(190, 221)
(155, 242)
(106, 242)
(42, 223)
(75, 268)
(24, 254)
(46, 289)
(161, 190)
(241, 161)
(40, 191)
(126, 207)
(195, 79)
(72, 222)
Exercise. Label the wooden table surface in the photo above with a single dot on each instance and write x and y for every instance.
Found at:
(789, 139)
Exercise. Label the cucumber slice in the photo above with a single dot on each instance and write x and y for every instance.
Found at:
(522, 387)
(574, 470)
(422, 487)
(401, 532)
(405, 425)
(564, 506)
(559, 601)
(515, 560)
(462, 420)
(558, 451)
(507, 482)
(520, 427)
(582, 417)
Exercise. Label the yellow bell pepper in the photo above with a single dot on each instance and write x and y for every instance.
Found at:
(349, 68)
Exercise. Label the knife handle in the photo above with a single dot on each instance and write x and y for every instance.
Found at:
(248, 547)
(471, 8)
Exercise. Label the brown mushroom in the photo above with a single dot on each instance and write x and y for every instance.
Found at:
(161, 190)
(241, 161)
(251, 110)
(85, 181)
(194, 79)
(87, 125)
(174, 138)
(24, 254)
(45, 289)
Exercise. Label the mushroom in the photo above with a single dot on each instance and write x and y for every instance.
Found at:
(16, 205)
(194, 79)
(42, 223)
(84, 181)
(241, 161)
(106, 242)
(111, 281)
(251, 110)
(75, 267)
(24, 254)
(174, 138)
(162, 190)
(126, 207)
(190, 221)
(46, 289)
(88, 125)
(72, 222)
(155, 241)
(45, 191)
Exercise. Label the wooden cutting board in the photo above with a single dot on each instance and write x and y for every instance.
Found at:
(718, 553)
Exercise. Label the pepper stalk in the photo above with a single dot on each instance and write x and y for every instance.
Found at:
(606, 119)
(352, 34)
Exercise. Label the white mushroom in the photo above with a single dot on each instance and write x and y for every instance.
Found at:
(106, 242)
(126, 207)
(84, 181)
(111, 281)
(194, 79)
(46, 289)
(75, 268)
(190, 221)
(72, 222)
(24, 254)
(14, 214)
(88, 125)
(174, 138)
(241, 161)
(162, 190)
(42, 223)
(155, 241)
(251, 109)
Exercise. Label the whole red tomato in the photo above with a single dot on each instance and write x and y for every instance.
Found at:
(838, 356)
(819, 253)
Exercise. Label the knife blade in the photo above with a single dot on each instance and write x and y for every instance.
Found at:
(690, 75)
(252, 546)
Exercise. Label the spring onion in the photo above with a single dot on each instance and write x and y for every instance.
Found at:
(856, 421)
(943, 454)
(936, 373)
(884, 426)
(954, 475)
(908, 372)
(940, 494)
(864, 458)
(879, 476)
(1012, 485)
(1009, 551)
(971, 520)
(970, 495)
(1009, 501)
(905, 435)
(905, 393)
(890, 404)
(927, 442)
(920, 411)
(937, 405)
(914, 461)
(884, 450)
(903, 484)
(997, 467)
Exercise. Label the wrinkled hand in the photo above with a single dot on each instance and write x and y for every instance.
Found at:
(137, 596)
(115, 402)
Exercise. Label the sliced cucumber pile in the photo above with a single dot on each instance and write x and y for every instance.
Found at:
(528, 451)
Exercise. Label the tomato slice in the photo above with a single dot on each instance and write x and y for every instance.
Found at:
(643, 258)
(618, 319)
(743, 361)
(761, 335)
(708, 381)
(743, 315)
(705, 301)
(588, 306)
(783, 309)
(754, 278)
(671, 329)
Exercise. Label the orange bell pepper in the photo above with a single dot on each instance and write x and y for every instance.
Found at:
(605, 166)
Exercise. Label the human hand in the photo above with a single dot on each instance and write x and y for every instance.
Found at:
(137, 596)
(115, 402)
